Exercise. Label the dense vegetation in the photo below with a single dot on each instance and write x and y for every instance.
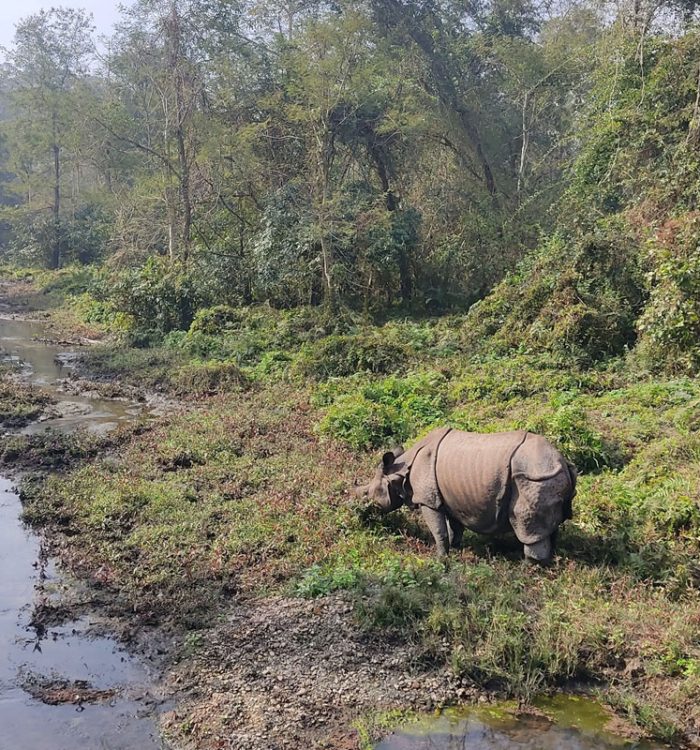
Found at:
(329, 227)
(373, 157)
(247, 494)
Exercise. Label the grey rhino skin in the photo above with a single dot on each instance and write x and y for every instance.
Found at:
(489, 483)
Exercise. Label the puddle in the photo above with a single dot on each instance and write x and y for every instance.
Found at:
(571, 723)
(104, 698)
(45, 365)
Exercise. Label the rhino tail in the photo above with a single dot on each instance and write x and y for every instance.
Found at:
(573, 474)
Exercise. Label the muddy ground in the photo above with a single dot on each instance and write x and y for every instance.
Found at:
(293, 673)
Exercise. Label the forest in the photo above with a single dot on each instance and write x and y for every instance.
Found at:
(377, 158)
(315, 230)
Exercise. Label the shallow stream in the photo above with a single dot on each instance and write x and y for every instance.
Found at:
(65, 663)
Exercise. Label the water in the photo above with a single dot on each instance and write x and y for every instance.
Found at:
(65, 654)
(22, 343)
(571, 723)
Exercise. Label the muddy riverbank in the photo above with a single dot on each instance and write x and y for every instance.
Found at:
(65, 683)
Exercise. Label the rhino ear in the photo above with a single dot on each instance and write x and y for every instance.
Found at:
(361, 491)
(388, 459)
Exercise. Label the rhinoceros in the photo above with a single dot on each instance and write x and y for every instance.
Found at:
(489, 483)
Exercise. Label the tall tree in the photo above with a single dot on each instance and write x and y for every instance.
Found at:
(51, 56)
(165, 53)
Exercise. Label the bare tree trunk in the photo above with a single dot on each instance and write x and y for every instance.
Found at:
(171, 210)
(180, 135)
(694, 126)
(523, 148)
(185, 198)
(324, 161)
(108, 169)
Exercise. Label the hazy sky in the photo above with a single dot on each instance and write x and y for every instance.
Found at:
(105, 13)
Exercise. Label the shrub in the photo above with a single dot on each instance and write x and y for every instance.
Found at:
(161, 296)
(361, 423)
(670, 325)
(202, 378)
(343, 355)
(586, 308)
(569, 429)
(213, 320)
(380, 412)
(92, 310)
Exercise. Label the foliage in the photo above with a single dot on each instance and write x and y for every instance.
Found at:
(383, 412)
(670, 325)
(284, 252)
(586, 311)
(160, 297)
(623, 266)
(370, 351)
(202, 378)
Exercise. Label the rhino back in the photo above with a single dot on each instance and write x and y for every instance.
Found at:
(538, 459)
(473, 474)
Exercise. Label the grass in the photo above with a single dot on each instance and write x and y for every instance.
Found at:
(247, 494)
(19, 404)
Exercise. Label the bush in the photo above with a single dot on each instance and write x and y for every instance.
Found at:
(213, 321)
(162, 296)
(568, 427)
(670, 325)
(360, 423)
(343, 355)
(586, 308)
(384, 411)
(203, 378)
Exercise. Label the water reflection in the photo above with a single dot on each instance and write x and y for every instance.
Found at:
(580, 725)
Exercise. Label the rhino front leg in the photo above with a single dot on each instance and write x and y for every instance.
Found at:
(455, 531)
(436, 521)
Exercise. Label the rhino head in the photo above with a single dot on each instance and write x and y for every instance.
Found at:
(388, 489)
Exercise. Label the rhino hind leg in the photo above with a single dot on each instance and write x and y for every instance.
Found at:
(455, 531)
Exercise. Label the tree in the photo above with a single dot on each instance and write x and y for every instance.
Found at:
(164, 55)
(49, 61)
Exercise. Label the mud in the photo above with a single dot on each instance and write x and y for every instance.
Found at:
(64, 684)
(287, 673)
